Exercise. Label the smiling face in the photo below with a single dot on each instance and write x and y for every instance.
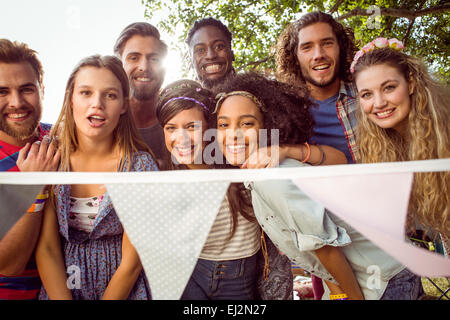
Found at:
(211, 54)
(238, 122)
(385, 96)
(20, 102)
(183, 136)
(142, 60)
(318, 54)
(97, 102)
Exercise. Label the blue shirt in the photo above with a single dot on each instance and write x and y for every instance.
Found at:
(328, 129)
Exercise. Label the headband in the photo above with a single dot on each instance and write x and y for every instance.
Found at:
(222, 96)
(188, 99)
(378, 43)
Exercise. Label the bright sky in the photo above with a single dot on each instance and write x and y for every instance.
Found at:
(65, 31)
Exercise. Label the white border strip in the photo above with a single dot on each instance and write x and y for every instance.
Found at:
(233, 175)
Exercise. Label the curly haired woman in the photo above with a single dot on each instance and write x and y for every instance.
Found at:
(230, 265)
(305, 231)
(404, 116)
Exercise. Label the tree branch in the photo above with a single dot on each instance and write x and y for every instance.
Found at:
(411, 23)
(394, 12)
(336, 6)
(254, 63)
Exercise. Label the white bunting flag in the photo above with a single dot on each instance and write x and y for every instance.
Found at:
(168, 223)
(168, 215)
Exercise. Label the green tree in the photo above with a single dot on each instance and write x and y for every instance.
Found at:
(424, 25)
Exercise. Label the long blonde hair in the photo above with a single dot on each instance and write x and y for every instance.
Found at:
(125, 133)
(428, 137)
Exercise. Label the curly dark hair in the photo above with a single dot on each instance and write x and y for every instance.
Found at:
(286, 106)
(209, 22)
(288, 67)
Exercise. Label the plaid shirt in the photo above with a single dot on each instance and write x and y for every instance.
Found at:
(346, 108)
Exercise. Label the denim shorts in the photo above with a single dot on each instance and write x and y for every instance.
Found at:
(405, 285)
(222, 280)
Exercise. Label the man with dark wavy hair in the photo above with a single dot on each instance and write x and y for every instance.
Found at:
(317, 51)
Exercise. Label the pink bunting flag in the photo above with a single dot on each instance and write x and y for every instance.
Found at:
(376, 205)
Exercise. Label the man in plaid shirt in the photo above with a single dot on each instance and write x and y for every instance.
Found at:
(317, 51)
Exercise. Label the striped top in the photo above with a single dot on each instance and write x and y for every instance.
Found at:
(25, 286)
(244, 243)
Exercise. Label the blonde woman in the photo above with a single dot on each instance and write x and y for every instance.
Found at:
(404, 116)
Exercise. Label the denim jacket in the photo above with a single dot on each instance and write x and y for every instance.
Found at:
(298, 226)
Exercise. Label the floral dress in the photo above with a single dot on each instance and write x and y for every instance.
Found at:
(95, 256)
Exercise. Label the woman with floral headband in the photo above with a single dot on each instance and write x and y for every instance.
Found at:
(404, 116)
(301, 228)
(229, 263)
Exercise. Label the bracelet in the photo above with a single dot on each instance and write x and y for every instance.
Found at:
(342, 296)
(324, 155)
(308, 153)
(38, 205)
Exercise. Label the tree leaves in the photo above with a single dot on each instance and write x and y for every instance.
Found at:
(256, 25)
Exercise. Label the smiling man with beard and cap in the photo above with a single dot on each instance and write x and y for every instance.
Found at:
(142, 53)
(209, 42)
(23, 147)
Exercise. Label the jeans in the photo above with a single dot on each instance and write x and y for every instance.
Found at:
(222, 280)
(405, 285)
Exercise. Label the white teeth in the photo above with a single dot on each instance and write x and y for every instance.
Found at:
(212, 68)
(236, 148)
(142, 79)
(321, 67)
(16, 115)
(184, 151)
(97, 117)
(385, 113)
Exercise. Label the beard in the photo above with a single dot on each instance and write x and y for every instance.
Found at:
(26, 129)
(323, 83)
(145, 92)
(210, 83)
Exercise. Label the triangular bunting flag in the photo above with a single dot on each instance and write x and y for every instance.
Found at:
(168, 223)
(376, 205)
